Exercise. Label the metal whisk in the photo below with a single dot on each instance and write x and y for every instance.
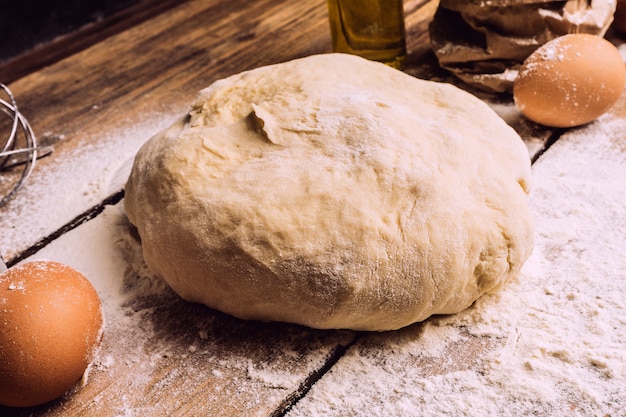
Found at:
(18, 150)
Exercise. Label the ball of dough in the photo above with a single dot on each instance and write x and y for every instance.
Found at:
(333, 192)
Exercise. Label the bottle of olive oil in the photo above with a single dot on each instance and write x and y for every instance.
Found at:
(373, 29)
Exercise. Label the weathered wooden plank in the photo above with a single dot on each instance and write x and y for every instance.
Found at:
(66, 44)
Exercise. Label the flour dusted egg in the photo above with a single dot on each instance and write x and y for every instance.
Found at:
(570, 81)
(50, 327)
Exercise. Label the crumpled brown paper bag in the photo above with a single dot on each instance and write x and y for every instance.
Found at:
(484, 42)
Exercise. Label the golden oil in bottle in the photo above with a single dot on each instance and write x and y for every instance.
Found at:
(373, 29)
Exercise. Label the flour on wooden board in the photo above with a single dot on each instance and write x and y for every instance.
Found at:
(55, 193)
(560, 327)
(556, 337)
(144, 356)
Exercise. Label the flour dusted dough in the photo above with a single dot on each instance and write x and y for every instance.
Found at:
(333, 192)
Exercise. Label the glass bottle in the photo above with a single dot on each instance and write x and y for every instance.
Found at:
(373, 29)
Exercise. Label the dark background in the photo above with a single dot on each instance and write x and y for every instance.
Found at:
(25, 24)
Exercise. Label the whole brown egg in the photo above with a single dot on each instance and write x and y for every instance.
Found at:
(51, 324)
(570, 81)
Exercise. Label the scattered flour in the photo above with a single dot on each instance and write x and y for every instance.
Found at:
(555, 340)
(272, 376)
(551, 344)
(160, 353)
(63, 191)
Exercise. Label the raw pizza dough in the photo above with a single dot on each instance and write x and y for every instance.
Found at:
(333, 192)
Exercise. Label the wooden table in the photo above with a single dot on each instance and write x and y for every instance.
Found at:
(164, 357)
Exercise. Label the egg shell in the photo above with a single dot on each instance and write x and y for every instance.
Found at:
(570, 81)
(51, 324)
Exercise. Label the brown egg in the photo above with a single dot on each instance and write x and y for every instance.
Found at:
(570, 81)
(50, 327)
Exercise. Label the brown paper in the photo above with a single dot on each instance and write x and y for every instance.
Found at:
(484, 43)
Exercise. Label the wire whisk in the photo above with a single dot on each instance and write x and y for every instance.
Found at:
(18, 150)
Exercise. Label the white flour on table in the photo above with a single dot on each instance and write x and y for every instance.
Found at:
(558, 334)
(553, 343)
(57, 192)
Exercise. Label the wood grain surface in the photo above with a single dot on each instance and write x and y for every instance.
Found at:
(57, 41)
(160, 355)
